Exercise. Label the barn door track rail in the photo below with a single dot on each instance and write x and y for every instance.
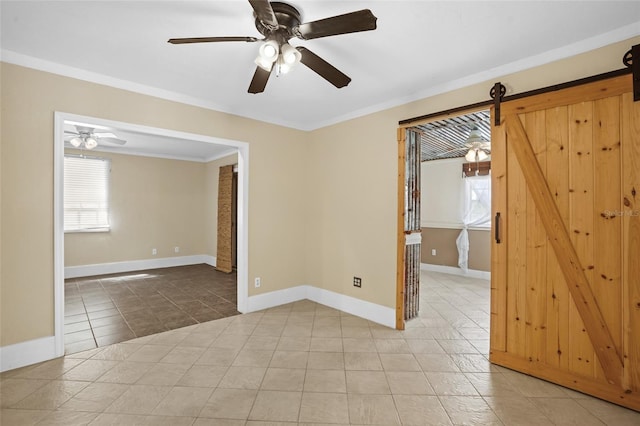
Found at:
(498, 90)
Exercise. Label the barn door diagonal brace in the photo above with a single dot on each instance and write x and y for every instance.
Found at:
(568, 259)
(497, 92)
(631, 60)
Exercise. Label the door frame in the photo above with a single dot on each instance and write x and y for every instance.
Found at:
(400, 233)
(58, 207)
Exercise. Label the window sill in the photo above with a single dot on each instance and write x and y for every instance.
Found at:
(84, 231)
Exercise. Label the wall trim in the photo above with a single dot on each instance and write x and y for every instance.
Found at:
(371, 311)
(442, 225)
(276, 298)
(361, 308)
(136, 265)
(471, 273)
(27, 353)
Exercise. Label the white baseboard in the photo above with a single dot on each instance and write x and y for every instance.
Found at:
(27, 353)
(276, 298)
(472, 273)
(361, 308)
(136, 265)
(209, 260)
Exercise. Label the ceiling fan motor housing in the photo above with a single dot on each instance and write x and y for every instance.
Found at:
(287, 16)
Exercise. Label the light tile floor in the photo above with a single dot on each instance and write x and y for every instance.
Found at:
(304, 364)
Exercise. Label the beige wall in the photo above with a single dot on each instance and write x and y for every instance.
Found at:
(352, 208)
(212, 171)
(314, 197)
(154, 203)
(441, 193)
(30, 98)
(443, 240)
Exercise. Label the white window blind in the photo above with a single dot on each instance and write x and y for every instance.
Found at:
(86, 194)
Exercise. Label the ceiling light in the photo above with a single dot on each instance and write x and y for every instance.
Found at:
(263, 63)
(475, 135)
(471, 155)
(269, 51)
(267, 55)
(476, 143)
(90, 143)
(290, 54)
(283, 67)
(76, 142)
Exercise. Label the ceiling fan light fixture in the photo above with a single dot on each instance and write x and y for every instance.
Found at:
(471, 155)
(290, 54)
(475, 135)
(76, 142)
(269, 51)
(90, 143)
(482, 155)
(283, 67)
(264, 64)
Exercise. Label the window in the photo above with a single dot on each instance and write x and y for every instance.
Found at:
(478, 201)
(86, 194)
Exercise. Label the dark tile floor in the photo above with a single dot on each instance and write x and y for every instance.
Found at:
(107, 309)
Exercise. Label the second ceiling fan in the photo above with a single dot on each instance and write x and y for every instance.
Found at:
(279, 22)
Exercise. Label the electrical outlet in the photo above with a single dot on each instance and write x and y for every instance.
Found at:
(357, 282)
(433, 252)
(176, 249)
(154, 252)
(257, 282)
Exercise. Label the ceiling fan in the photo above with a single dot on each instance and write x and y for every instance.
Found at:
(279, 22)
(87, 138)
(479, 147)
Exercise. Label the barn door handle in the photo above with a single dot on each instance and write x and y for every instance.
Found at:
(497, 228)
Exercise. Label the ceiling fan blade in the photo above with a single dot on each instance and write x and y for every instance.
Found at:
(209, 39)
(259, 80)
(265, 13)
(451, 151)
(115, 141)
(323, 68)
(362, 20)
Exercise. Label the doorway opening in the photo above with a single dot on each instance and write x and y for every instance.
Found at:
(454, 206)
(183, 145)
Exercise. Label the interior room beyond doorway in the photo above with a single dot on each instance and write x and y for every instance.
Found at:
(456, 194)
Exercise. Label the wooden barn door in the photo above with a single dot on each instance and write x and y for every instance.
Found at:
(566, 253)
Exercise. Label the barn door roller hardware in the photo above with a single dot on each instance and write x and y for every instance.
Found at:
(497, 92)
(631, 60)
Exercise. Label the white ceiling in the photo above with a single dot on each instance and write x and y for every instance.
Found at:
(419, 48)
(145, 142)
